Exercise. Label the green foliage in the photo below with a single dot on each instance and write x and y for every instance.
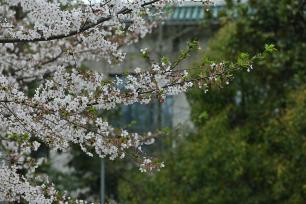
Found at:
(244, 60)
(250, 143)
(165, 60)
(270, 48)
(19, 138)
(250, 146)
(92, 110)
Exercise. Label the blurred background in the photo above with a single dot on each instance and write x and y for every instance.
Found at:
(245, 143)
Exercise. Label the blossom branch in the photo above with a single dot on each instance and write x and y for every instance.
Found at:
(82, 29)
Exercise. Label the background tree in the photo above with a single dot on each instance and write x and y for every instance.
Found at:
(250, 142)
(48, 99)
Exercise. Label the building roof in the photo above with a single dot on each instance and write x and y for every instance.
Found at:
(191, 14)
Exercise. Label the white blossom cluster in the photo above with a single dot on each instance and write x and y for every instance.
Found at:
(12, 186)
(45, 42)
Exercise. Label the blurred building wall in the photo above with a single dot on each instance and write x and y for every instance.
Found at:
(186, 22)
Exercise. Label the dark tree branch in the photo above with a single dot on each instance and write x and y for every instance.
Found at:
(72, 33)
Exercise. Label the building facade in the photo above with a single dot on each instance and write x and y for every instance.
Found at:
(186, 22)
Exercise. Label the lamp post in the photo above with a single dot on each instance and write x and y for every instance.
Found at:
(102, 182)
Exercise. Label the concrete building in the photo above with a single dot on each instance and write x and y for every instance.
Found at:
(186, 22)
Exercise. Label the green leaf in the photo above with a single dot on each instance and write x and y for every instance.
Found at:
(244, 60)
(92, 110)
(165, 60)
(270, 48)
(193, 45)
(203, 116)
(26, 136)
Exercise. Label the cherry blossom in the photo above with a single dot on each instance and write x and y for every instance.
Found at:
(46, 42)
